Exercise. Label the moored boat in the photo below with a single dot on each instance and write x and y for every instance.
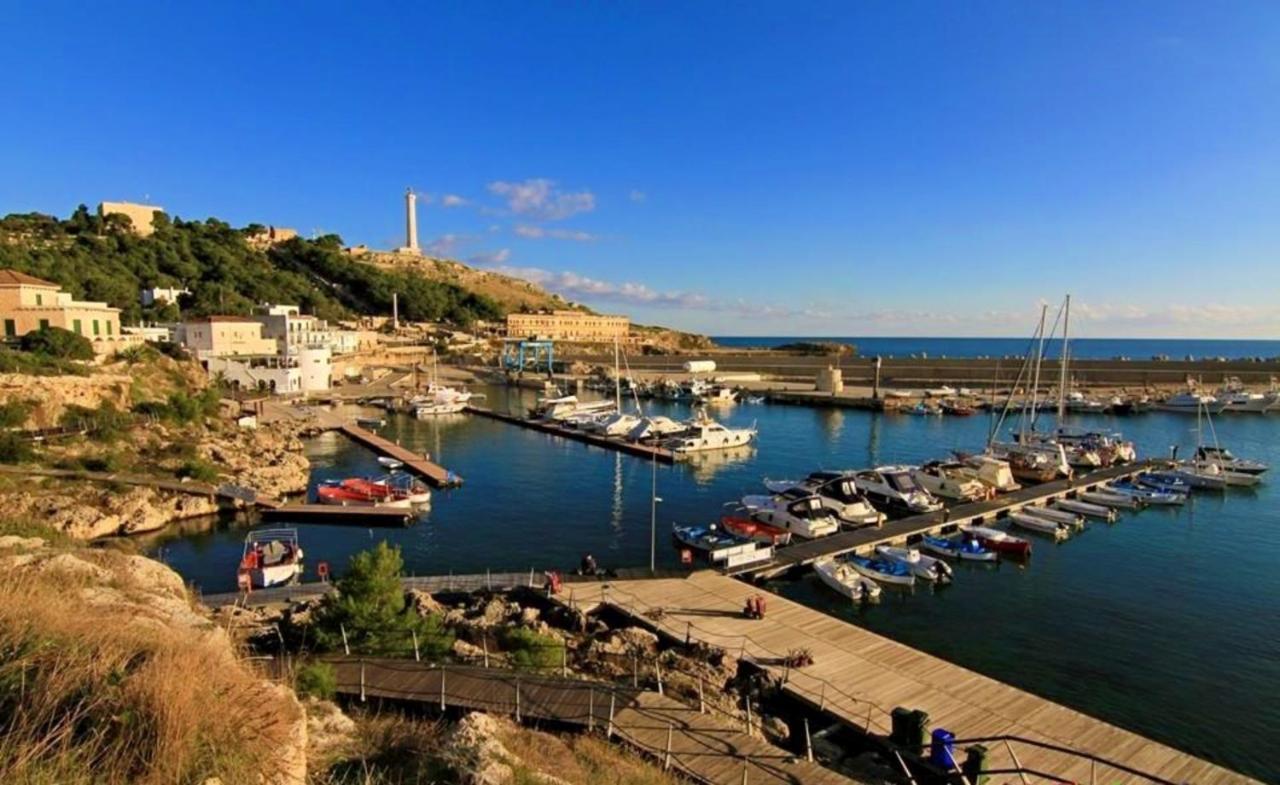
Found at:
(1000, 541)
(838, 493)
(720, 547)
(1108, 498)
(271, 557)
(797, 511)
(948, 480)
(1147, 495)
(883, 570)
(846, 580)
(966, 548)
(893, 491)
(923, 566)
(1086, 509)
(1223, 459)
(1032, 523)
(756, 530)
(1064, 517)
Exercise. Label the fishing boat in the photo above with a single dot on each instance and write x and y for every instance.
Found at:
(883, 570)
(797, 510)
(957, 409)
(1147, 495)
(704, 433)
(1000, 541)
(948, 480)
(923, 409)
(965, 548)
(718, 396)
(1086, 509)
(756, 530)
(370, 422)
(1033, 523)
(923, 566)
(722, 548)
(1223, 458)
(838, 493)
(1065, 517)
(1111, 499)
(271, 557)
(846, 580)
(989, 470)
(891, 490)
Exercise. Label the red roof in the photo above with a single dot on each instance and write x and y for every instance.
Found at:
(15, 278)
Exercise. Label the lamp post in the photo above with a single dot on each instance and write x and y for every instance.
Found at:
(653, 516)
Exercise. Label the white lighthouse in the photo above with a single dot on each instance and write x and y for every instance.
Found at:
(410, 223)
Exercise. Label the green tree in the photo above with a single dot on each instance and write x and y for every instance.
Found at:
(57, 342)
(370, 606)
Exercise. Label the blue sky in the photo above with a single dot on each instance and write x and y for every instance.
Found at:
(886, 168)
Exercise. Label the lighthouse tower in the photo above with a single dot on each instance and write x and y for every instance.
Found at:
(410, 224)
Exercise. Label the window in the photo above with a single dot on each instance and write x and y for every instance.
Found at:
(10, 328)
(39, 299)
(95, 327)
(108, 328)
(75, 327)
(44, 324)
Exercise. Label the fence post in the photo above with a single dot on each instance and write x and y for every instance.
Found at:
(564, 661)
(442, 688)
(573, 604)
(746, 762)
(345, 647)
(808, 742)
(1093, 772)
(702, 704)
(530, 577)
(822, 701)
(417, 656)
(1017, 763)
(362, 681)
(748, 716)
(688, 633)
(666, 762)
(591, 709)
(635, 670)
(657, 670)
(612, 697)
(484, 641)
(517, 699)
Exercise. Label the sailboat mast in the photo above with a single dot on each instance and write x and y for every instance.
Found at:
(1035, 381)
(1062, 361)
(617, 378)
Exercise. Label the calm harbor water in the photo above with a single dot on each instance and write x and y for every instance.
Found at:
(1165, 622)
(1081, 348)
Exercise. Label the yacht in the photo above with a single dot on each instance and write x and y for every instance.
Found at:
(798, 511)
(1034, 462)
(1237, 399)
(838, 494)
(563, 407)
(1077, 403)
(1190, 402)
(948, 480)
(988, 470)
(654, 427)
(893, 491)
(1223, 458)
(614, 424)
(704, 433)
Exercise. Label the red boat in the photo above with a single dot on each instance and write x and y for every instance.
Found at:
(755, 530)
(1000, 541)
(359, 493)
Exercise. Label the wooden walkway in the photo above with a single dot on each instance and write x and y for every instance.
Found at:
(704, 747)
(860, 677)
(802, 552)
(620, 445)
(431, 472)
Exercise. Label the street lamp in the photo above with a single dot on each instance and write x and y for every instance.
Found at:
(653, 515)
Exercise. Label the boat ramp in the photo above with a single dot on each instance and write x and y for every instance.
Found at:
(645, 451)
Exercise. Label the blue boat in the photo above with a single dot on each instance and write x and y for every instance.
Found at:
(1163, 481)
(884, 570)
(957, 548)
(1148, 494)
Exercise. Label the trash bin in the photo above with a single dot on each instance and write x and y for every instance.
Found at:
(942, 749)
(908, 729)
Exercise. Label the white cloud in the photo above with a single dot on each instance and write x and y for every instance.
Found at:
(540, 198)
(453, 200)
(445, 244)
(538, 232)
(491, 258)
(637, 195)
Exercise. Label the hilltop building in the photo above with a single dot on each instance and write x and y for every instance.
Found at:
(28, 303)
(410, 224)
(568, 326)
(270, 235)
(139, 214)
(158, 294)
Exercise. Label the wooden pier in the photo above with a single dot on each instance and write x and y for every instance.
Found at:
(334, 515)
(620, 445)
(858, 677)
(705, 747)
(906, 530)
(433, 473)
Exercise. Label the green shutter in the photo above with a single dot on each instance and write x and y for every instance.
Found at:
(108, 327)
(44, 324)
(95, 327)
(10, 328)
(76, 328)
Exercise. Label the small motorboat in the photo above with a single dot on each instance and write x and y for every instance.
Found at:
(1203, 476)
(1223, 459)
(343, 495)
(271, 557)
(838, 493)
(1033, 523)
(1148, 495)
(966, 548)
(758, 399)
(923, 409)
(1163, 481)
(957, 409)
(1086, 509)
(926, 567)
(756, 530)
(1000, 541)
(720, 547)
(1111, 499)
(947, 479)
(1065, 517)
(797, 510)
(390, 463)
(883, 570)
(370, 422)
(846, 580)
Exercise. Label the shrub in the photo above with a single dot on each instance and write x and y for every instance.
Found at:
(25, 527)
(14, 414)
(105, 423)
(39, 364)
(370, 606)
(14, 448)
(528, 649)
(316, 679)
(198, 469)
(57, 342)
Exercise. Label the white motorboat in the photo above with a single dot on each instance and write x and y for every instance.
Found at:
(431, 408)
(1205, 476)
(927, 567)
(1086, 509)
(838, 493)
(948, 480)
(1111, 499)
(616, 424)
(1078, 403)
(271, 557)
(884, 570)
(718, 396)
(390, 463)
(1032, 523)
(1190, 402)
(989, 470)
(893, 491)
(1223, 459)
(798, 511)
(654, 427)
(1147, 495)
(704, 433)
(1237, 399)
(1057, 516)
(845, 580)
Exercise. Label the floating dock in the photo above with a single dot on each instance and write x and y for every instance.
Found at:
(376, 515)
(433, 473)
(858, 678)
(905, 530)
(620, 445)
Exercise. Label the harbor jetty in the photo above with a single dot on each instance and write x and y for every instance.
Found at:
(660, 454)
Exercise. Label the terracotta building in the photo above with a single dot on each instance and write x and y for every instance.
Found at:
(568, 326)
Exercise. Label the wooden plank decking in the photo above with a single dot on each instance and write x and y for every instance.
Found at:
(432, 472)
(861, 676)
(621, 445)
(705, 747)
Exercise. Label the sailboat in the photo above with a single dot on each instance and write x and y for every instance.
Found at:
(616, 423)
(439, 399)
(1207, 469)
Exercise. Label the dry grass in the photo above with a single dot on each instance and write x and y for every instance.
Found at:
(580, 760)
(93, 695)
(389, 750)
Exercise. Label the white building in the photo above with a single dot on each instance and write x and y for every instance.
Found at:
(157, 295)
(154, 333)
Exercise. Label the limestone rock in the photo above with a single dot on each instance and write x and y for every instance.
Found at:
(329, 730)
(775, 728)
(528, 616)
(638, 640)
(422, 602)
(467, 651)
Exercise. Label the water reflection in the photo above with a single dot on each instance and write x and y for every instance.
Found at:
(704, 466)
(832, 423)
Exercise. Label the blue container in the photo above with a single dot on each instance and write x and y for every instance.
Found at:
(942, 749)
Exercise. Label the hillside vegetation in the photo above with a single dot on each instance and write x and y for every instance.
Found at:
(102, 259)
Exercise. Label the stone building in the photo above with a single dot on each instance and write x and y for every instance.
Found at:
(28, 303)
(139, 214)
(568, 326)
